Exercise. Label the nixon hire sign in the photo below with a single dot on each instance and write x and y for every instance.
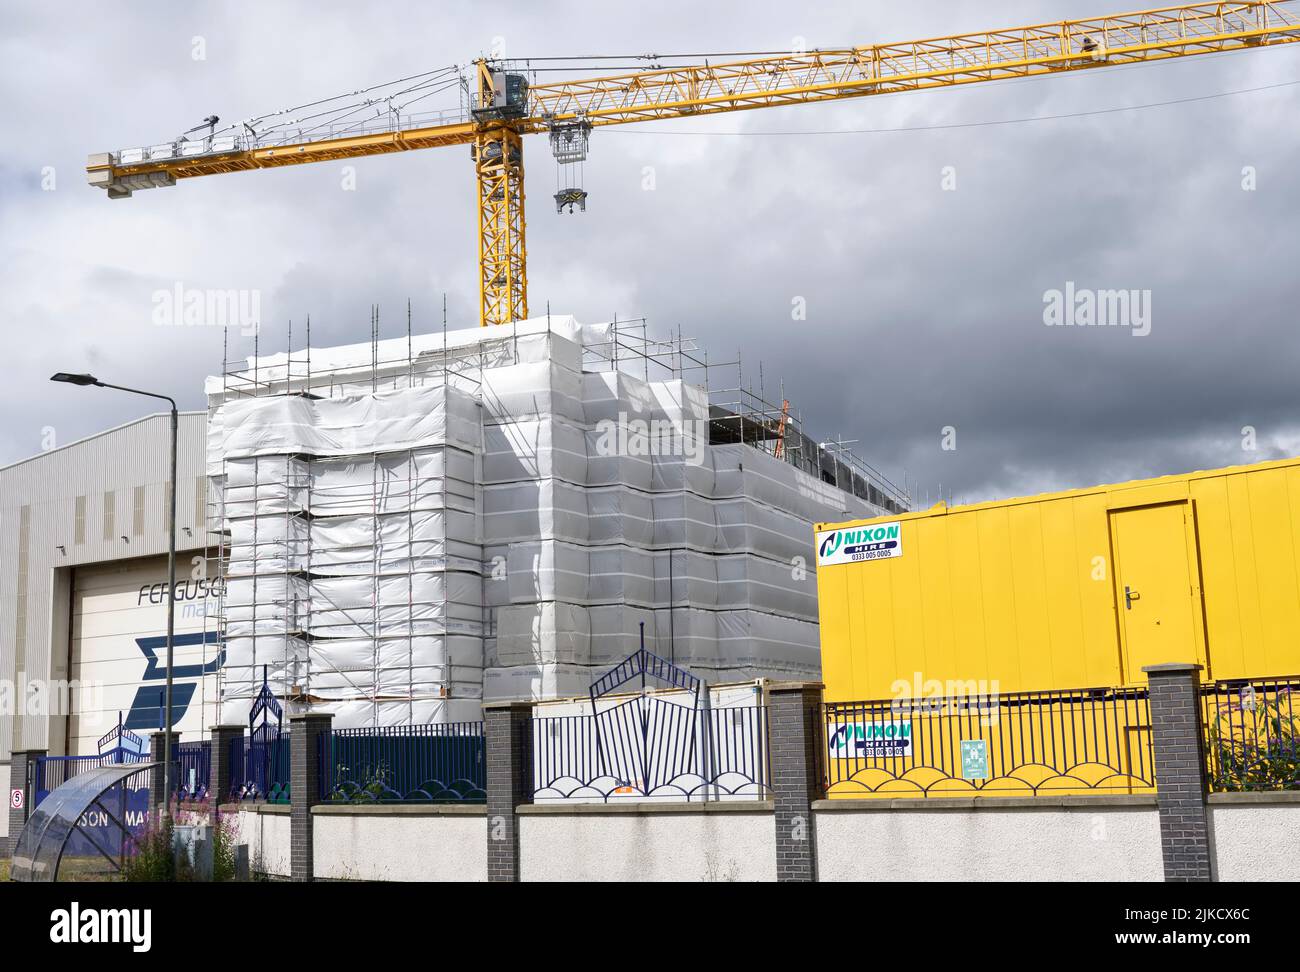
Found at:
(848, 545)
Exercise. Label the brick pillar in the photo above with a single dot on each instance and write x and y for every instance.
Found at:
(20, 770)
(306, 730)
(220, 772)
(1180, 770)
(156, 796)
(507, 728)
(794, 733)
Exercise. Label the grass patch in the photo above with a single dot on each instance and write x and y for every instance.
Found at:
(82, 869)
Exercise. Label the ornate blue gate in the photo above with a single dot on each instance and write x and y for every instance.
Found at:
(260, 761)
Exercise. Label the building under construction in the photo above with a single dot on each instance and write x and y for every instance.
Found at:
(409, 526)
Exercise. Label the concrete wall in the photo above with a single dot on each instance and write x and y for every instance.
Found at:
(1255, 836)
(990, 839)
(400, 843)
(1041, 839)
(265, 829)
(670, 842)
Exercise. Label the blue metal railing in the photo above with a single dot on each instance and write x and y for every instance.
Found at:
(118, 745)
(193, 764)
(650, 747)
(442, 763)
(50, 771)
(259, 767)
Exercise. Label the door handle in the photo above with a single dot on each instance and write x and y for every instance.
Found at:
(1130, 596)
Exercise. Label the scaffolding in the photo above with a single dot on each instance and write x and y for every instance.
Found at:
(267, 616)
(742, 415)
(394, 623)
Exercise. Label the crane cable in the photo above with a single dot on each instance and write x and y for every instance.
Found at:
(975, 124)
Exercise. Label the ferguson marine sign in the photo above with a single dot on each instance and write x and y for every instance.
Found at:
(119, 644)
(185, 590)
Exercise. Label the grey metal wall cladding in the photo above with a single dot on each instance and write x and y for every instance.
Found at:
(80, 502)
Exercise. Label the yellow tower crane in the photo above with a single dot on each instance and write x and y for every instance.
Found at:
(500, 106)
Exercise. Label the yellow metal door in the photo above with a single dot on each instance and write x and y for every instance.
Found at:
(1156, 587)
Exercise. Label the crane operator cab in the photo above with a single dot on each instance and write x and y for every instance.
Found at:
(506, 98)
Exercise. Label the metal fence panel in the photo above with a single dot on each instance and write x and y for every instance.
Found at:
(259, 767)
(1251, 729)
(193, 763)
(50, 771)
(648, 747)
(438, 763)
(1015, 744)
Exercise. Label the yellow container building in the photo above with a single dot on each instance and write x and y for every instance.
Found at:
(1067, 590)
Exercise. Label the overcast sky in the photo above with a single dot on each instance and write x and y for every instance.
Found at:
(925, 304)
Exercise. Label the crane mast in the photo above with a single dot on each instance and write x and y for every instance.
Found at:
(504, 108)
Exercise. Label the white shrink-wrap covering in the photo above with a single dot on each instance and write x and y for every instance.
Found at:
(407, 540)
(523, 391)
(387, 421)
(552, 631)
(530, 509)
(684, 519)
(551, 570)
(367, 713)
(620, 515)
(460, 653)
(394, 543)
(268, 544)
(538, 448)
(260, 486)
(282, 658)
(355, 607)
(537, 681)
(266, 604)
(758, 477)
(426, 479)
(753, 639)
(422, 356)
(571, 634)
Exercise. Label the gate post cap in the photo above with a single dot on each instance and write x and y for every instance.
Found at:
(1173, 667)
(794, 686)
(308, 714)
(510, 705)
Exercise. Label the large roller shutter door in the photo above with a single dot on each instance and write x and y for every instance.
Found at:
(119, 627)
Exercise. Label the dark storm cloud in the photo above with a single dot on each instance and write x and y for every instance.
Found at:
(924, 305)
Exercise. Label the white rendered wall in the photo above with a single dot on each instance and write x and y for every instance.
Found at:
(267, 837)
(610, 845)
(390, 844)
(1256, 842)
(1084, 843)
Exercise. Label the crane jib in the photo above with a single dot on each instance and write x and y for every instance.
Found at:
(506, 107)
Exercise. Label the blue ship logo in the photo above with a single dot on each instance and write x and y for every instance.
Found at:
(148, 705)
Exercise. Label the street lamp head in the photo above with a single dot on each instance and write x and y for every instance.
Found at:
(63, 376)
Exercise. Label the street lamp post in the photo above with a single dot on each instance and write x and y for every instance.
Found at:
(71, 379)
